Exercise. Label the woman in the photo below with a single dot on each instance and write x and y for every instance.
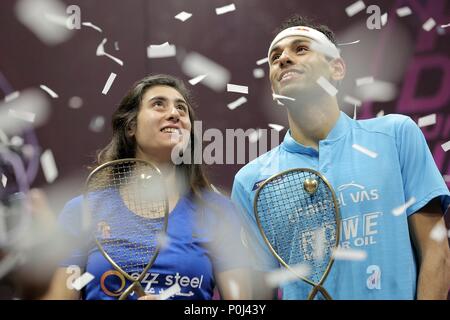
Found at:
(204, 249)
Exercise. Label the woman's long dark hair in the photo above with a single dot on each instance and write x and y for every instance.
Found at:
(123, 145)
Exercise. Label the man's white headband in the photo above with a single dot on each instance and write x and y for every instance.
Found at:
(321, 42)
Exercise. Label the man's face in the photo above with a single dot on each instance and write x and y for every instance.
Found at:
(295, 68)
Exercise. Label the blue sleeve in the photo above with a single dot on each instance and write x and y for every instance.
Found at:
(421, 177)
(261, 256)
(69, 222)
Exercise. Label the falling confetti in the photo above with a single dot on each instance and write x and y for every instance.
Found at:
(195, 64)
(403, 12)
(276, 127)
(380, 113)
(82, 281)
(225, 9)
(171, 291)
(353, 101)
(108, 83)
(4, 180)
(445, 25)
(446, 146)
(22, 115)
(197, 79)
(49, 166)
(349, 43)
(233, 105)
(363, 81)
(262, 61)
(236, 88)
(278, 96)
(438, 233)
(97, 124)
(101, 52)
(384, 19)
(258, 73)
(282, 276)
(164, 50)
(12, 96)
(327, 86)
(91, 25)
(349, 254)
(427, 120)
(254, 136)
(429, 24)
(401, 209)
(50, 92)
(183, 16)
(354, 8)
(364, 150)
(75, 102)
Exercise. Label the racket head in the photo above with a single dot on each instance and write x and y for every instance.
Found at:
(290, 197)
(125, 209)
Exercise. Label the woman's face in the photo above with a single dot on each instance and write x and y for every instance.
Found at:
(162, 123)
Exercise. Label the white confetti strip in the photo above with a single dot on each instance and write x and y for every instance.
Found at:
(225, 9)
(75, 102)
(401, 209)
(324, 49)
(278, 96)
(164, 50)
(173, 290)
(234, 289)
(327, 86)
(91, 25)
(280, 103)
(195, 64)
(384, 19)
(349, 254)
(22, 115)
(254, 136)
(97, 124)
(354, 8)
(4, 180)
(447, 177)
(403, 12)
(364, 150)
(258, 73)
(349, 43)
(17, 141)
(363, 81)
(233, 105)
(237, 88)
(262, 61)
(427, 120)
(49, 91)
(183, 16)
(82, 281)
(276, 127)
(49, 166)
(116, 46)
(446, 146)
(438, 233)
(197, 79)
(282, 276)
(215, 189)
(108, 83)
(353, 101)
(101, 52)
(163, 240)
(429, 24)
(380, 113)
(378, 91)
(445, 25)
(12, 96)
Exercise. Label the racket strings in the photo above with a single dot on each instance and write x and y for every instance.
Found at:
(130, 237)
(300, 226)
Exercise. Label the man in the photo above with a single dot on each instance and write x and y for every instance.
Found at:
(402, 262)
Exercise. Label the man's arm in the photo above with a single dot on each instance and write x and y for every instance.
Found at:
(433, 256)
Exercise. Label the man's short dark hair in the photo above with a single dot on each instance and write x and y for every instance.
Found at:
(298, 20)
